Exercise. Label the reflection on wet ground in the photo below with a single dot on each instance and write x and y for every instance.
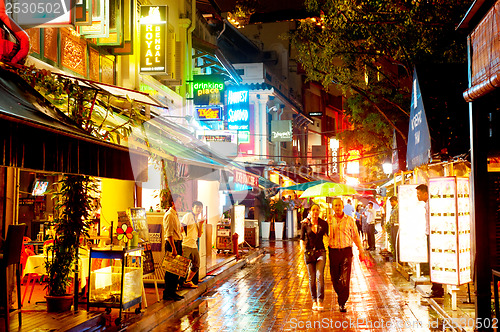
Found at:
(272, 294)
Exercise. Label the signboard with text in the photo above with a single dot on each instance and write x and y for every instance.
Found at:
(238, 110)
(419, 140)
(208, 89)
(223, 142)
(281, 131)
(153, 24)
(246, 178)
(209, 113)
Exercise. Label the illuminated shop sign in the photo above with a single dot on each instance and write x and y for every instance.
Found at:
(209, 113)
(281, 131)
(217, 138)
(208, 89)
(238, 110)
(153, 46)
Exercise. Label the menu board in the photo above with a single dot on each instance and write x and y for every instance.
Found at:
(148, 265)
(412, 238)
(449, 219)
(139, 223)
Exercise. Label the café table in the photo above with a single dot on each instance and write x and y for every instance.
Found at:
(37, 245)
(35, 267)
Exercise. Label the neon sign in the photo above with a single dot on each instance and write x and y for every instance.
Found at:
(238, 110)
(208, 113)
(207, 89)
(153, 48)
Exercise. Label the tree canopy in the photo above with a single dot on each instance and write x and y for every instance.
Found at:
(367, 49)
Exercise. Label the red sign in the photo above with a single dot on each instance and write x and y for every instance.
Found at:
(246, 178)
(212, 113)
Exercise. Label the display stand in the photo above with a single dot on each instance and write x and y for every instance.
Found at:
(115, 278)
(450, 233)
(224, 241)
(450, 230)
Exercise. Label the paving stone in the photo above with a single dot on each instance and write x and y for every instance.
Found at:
(272, 294)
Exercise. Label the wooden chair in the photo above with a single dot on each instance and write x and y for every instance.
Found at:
(11, 255)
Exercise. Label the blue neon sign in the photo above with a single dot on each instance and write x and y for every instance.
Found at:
(238, 110)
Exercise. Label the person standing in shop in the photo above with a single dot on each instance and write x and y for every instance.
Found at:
(313, 229)
(343, 233)
(423, 196)
(193, 229)
(173, 244)
(370, 225)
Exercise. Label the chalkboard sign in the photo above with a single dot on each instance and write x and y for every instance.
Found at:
(148, 265)
(139, 223)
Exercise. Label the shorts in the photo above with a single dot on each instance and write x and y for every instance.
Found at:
(194, 256)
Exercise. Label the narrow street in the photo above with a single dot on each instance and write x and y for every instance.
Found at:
(272, 294)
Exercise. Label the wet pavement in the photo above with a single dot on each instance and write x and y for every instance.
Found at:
(272, 294)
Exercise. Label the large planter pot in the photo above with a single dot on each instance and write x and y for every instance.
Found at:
(59, 303)
(278, 229)
(265, 228)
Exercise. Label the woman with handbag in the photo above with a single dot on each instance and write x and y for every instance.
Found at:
(311, 242)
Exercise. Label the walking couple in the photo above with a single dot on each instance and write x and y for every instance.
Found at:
(341, 232)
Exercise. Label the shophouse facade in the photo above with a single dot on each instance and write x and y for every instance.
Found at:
(481, 23)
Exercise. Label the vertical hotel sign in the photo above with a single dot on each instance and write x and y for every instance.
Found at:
(153, 24)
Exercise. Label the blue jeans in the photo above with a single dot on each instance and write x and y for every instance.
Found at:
(316, 271)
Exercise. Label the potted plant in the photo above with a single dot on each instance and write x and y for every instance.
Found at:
(75, 200)
(264, 205)
(278, 211)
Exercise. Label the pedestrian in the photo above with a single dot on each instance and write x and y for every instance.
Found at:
(311, 243)
(392, 227)
(343, 233)
(370, 225)
(306, 204)
(349, 209)
(173, 244)
(193, 229)
(423, 196)
(357, 214)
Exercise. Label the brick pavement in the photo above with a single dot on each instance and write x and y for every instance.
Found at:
(272, 294)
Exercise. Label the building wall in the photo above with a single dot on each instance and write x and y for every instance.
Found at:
(116, 195)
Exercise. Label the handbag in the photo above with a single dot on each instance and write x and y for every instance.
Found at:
(177, 265)
(312, 255)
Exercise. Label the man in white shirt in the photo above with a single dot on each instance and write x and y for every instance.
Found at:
(370, 220)
(192, 230)
(173, 243)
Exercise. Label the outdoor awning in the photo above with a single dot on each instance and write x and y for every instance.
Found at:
(211, 56)
(124, 95)
(303, 186)
(35, 135)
